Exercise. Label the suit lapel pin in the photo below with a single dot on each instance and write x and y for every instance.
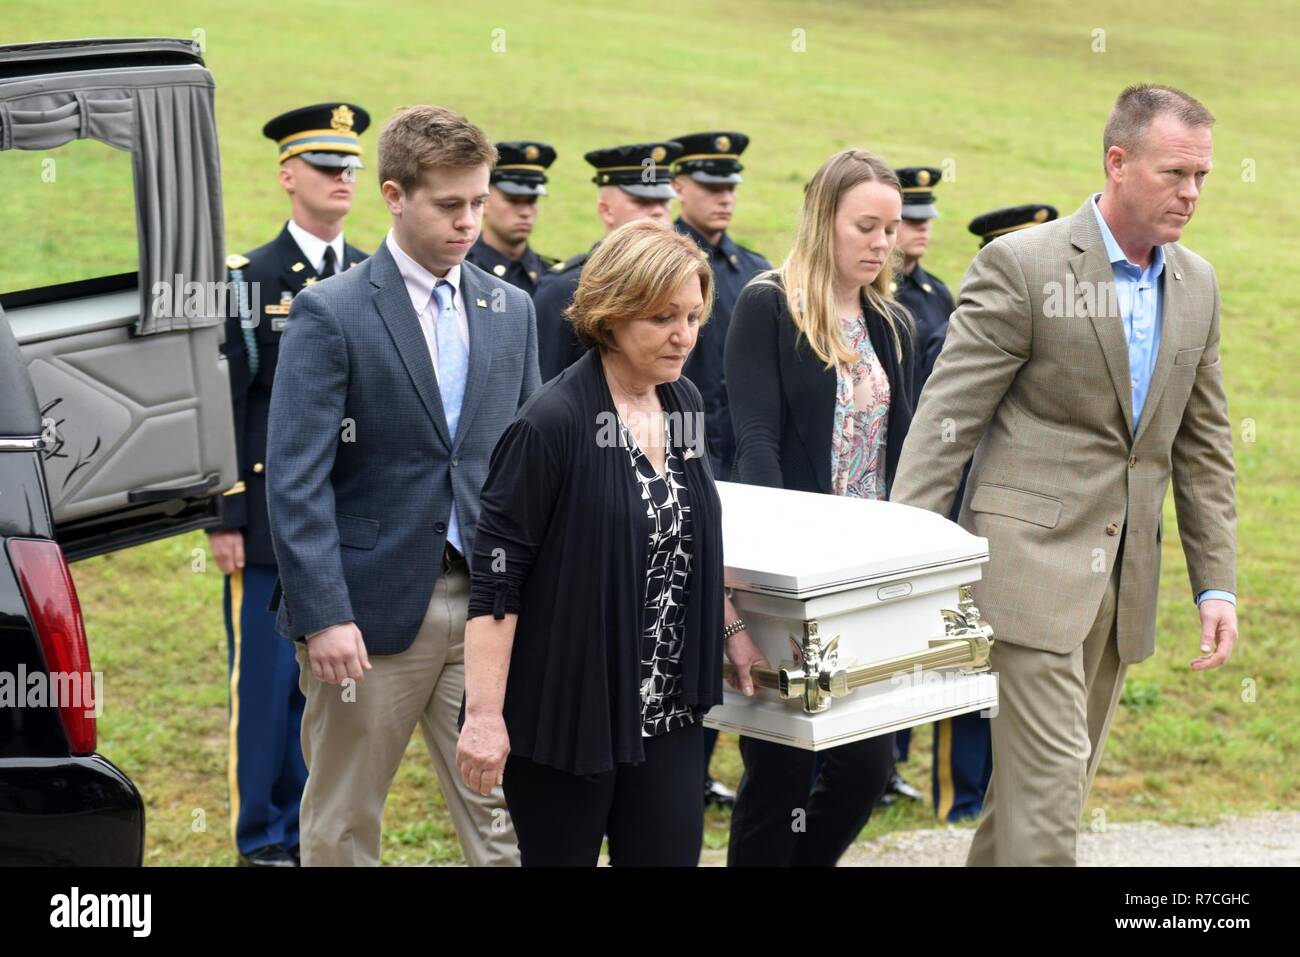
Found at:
(1177, 274)
(481, 303)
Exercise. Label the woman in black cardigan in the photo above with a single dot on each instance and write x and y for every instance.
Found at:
(818, 369)
(597, 619)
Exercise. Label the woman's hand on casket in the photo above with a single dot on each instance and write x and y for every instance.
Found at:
(744, 654)
(481, 751)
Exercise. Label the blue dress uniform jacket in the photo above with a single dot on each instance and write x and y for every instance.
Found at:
(963, 758)
(733, 267)
(557, 344)
(526, 272)
(280, 271)
(930, 303)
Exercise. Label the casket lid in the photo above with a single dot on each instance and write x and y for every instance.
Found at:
(802, 544)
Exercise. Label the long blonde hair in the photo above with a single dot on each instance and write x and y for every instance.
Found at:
(808, 273)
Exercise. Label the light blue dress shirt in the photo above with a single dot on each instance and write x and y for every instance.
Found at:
(1141, 302)
(1141, 305)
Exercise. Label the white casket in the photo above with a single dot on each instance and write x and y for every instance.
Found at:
(861, 608)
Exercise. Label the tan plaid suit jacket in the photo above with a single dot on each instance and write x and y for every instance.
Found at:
(1034, 380)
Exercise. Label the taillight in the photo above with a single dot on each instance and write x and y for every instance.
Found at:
(56, 615)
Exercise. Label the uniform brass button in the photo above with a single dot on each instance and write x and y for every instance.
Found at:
(1112, 529)
(259, 468)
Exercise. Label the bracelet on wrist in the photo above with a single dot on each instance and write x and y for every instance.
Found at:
(731, 629)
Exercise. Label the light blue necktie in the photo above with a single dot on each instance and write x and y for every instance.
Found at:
(453, 356)
(453, 368)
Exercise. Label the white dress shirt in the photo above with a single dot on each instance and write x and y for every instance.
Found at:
(419, 286)
(313, 248)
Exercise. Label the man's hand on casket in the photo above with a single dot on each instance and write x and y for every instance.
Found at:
(744, 654)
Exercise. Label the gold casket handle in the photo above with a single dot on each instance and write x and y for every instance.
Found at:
(816, 677)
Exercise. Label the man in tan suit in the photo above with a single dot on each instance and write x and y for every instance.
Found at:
(1081, 368)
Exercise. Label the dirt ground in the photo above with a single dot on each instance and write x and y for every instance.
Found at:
(1268, 840)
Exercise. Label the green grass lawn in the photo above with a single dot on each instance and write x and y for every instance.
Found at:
(1011, 98)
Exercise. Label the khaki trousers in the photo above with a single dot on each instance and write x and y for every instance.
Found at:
(353, 738)
(1054, 712)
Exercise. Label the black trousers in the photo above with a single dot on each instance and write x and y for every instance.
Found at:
(795, 808)
(710, 742)
(651, 812)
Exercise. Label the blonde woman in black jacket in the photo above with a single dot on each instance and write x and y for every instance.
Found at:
(818, 366)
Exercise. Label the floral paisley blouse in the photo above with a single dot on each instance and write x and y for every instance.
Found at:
(861, 417)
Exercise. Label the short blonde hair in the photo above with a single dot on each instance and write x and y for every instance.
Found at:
(633, 274)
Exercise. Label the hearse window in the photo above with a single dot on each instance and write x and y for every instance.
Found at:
(68, 217)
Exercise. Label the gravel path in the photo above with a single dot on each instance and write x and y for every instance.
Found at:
(1268, 840)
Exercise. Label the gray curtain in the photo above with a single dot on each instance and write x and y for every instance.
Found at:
(165, 118)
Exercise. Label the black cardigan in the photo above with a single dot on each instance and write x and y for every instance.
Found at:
(562, 541)
(782, 396)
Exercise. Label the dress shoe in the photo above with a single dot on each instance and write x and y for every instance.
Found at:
(718, 794)
(896, 787)
(901, 788)
(272, 855)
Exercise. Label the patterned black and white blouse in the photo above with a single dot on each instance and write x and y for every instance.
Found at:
(668, 565)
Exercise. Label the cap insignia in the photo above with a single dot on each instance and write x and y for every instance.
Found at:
(341, 118)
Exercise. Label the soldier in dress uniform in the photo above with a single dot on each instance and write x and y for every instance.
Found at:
(963, 750)
(989, 226)
(632, 182)
(517, 180)
(930, 304)
(319, 154)
(705, 178)
(925, 296)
